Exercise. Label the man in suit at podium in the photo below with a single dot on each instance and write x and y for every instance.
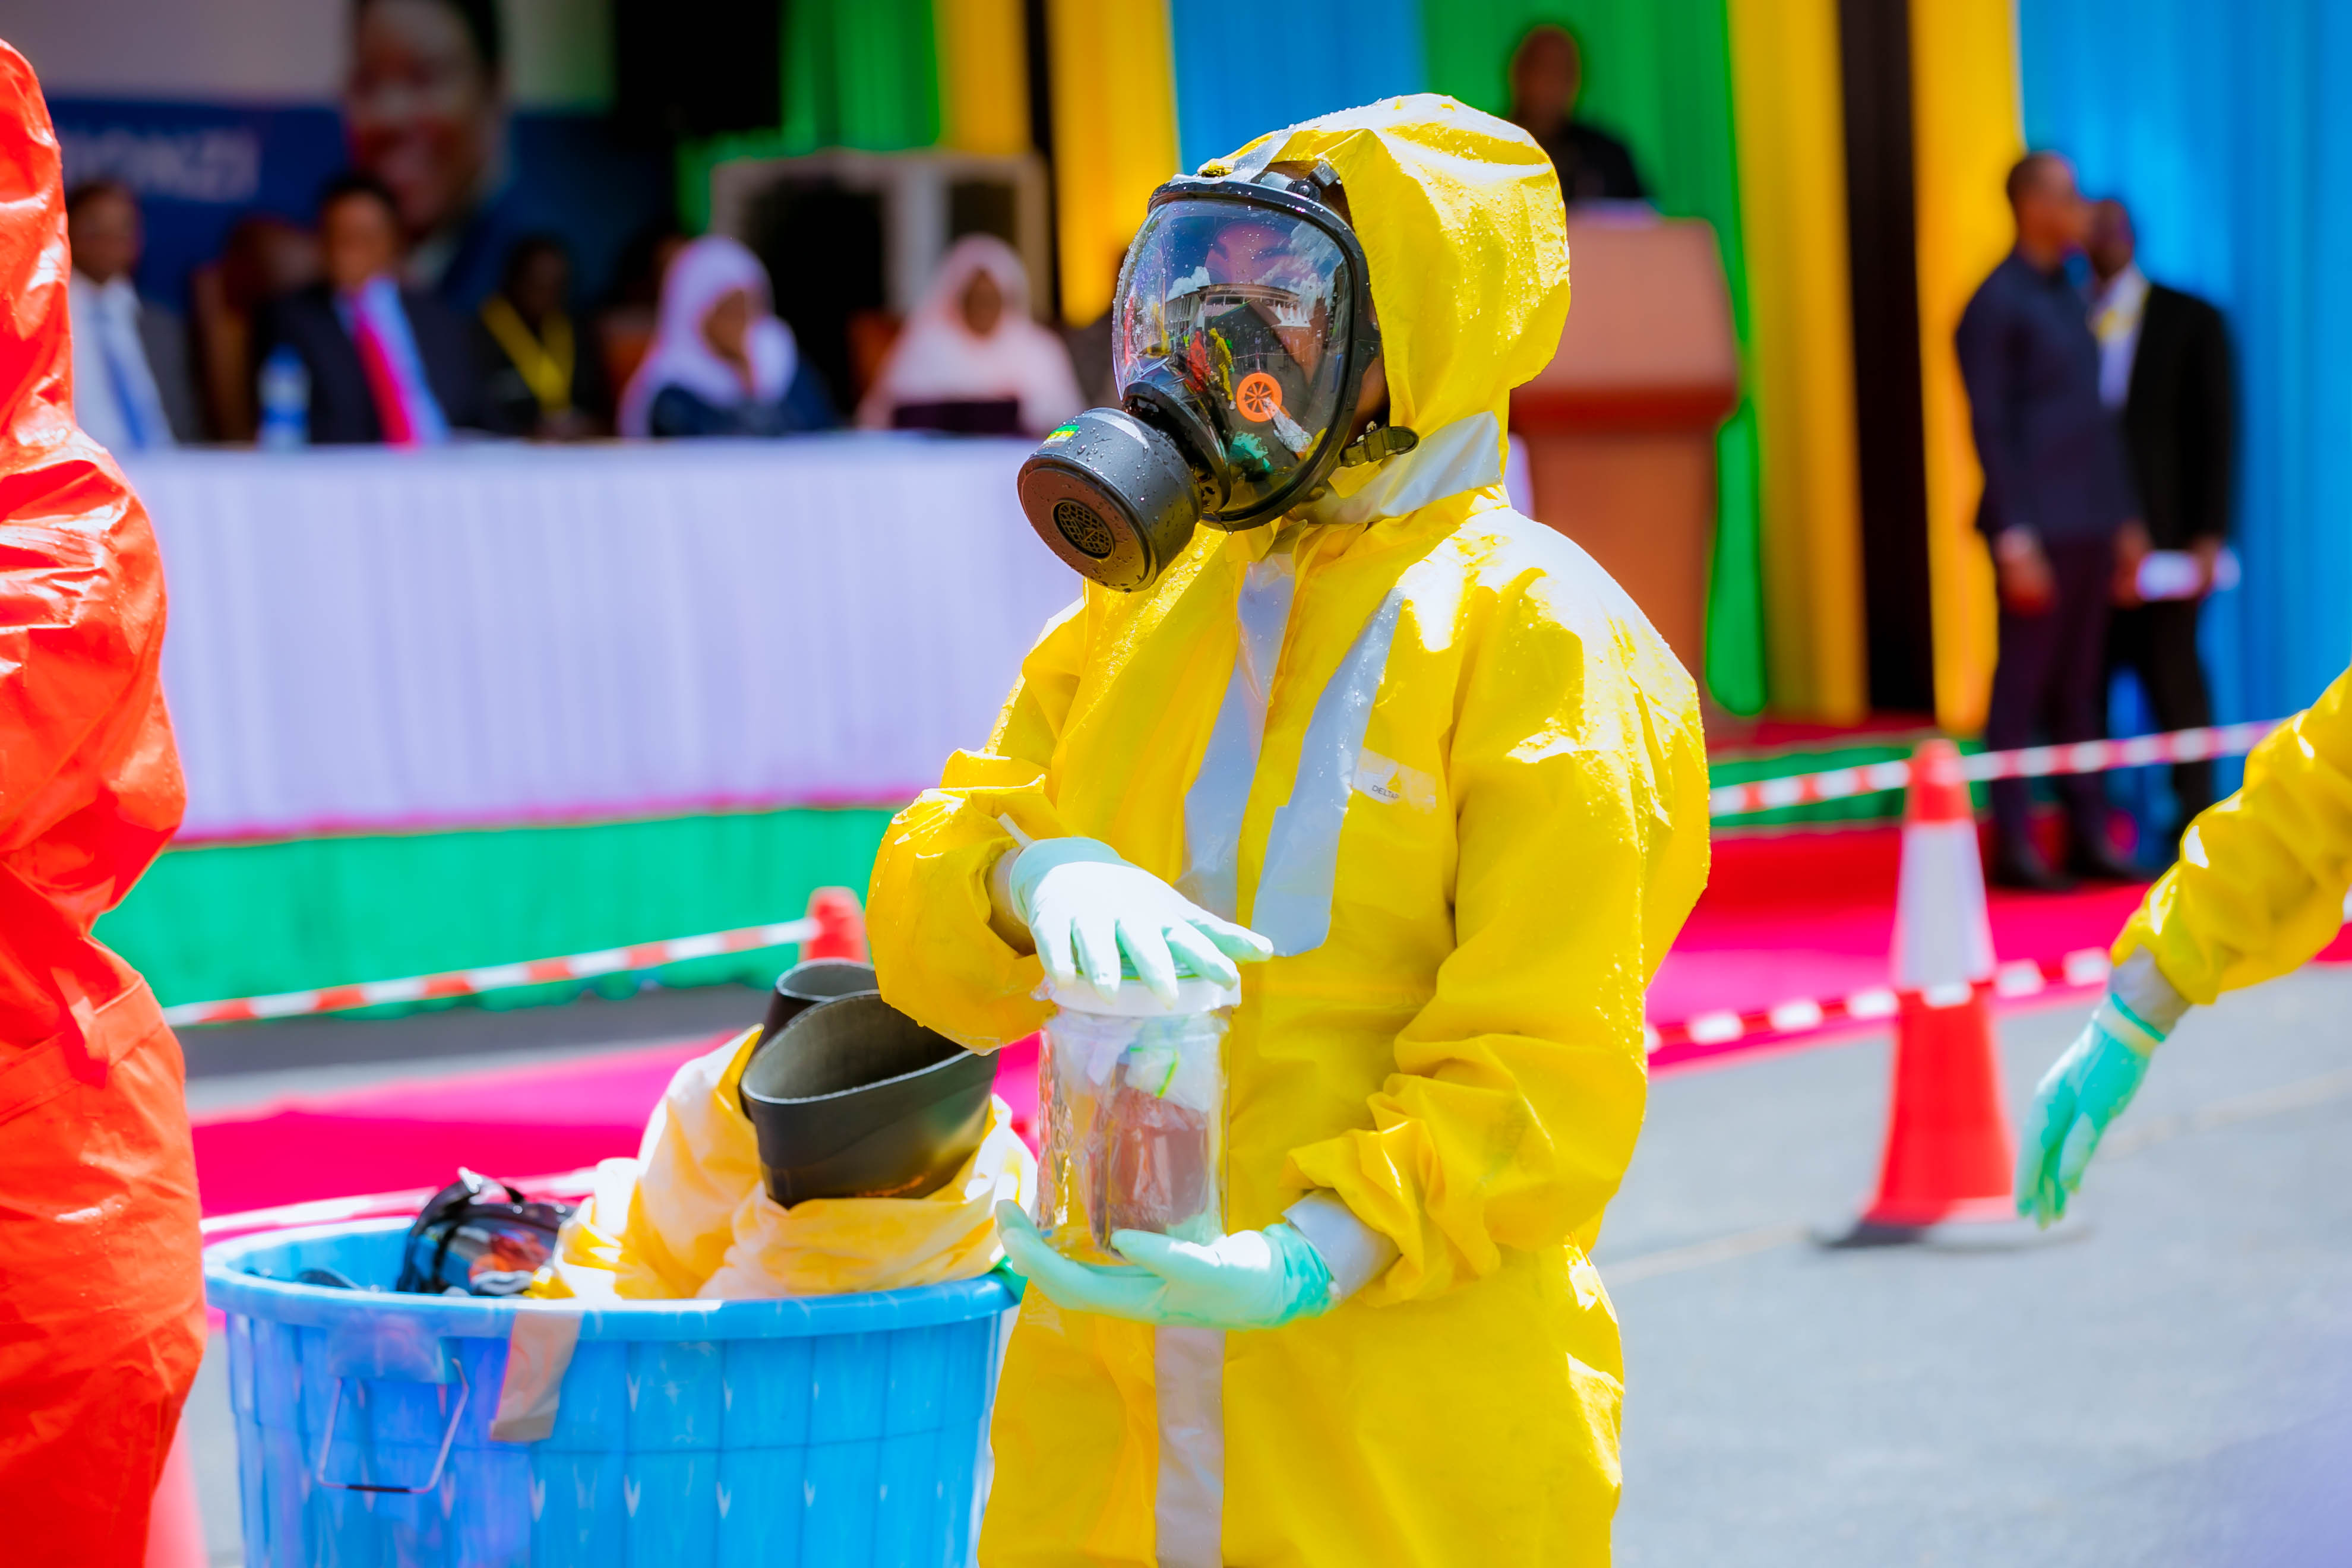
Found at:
(1546, 75)
(2164, 366)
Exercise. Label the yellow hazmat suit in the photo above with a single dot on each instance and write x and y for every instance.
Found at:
(2260, 884)
(1469, 806)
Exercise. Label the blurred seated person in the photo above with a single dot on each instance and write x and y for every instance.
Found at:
(130, 355)
(387, 363)
(722, 364)
(264, 258)
(624, 327)
(543, 382)
(970, 359)
(1546, 75)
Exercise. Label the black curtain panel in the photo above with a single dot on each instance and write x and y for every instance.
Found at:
(697, 69)
(1874, 38)
(1039, 43)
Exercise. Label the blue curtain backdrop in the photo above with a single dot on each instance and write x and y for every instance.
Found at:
(2227, 127)
(1229, 88)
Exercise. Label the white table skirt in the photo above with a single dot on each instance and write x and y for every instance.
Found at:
(506, 634)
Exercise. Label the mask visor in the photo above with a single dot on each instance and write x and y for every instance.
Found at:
(1245, 312)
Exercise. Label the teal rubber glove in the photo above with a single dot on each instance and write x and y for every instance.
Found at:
(2084, 1091)
(1092, 916)
(1250, 1280)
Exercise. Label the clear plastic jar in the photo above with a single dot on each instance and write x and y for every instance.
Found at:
(1133, 1091)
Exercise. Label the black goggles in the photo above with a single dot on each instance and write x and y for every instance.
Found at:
(479, 1237)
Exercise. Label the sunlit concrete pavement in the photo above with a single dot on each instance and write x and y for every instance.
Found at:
(2168, 1388)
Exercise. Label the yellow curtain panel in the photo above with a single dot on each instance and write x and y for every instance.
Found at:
(1114, 136)
(1787, 97)
(1966, 133)
(983, 76)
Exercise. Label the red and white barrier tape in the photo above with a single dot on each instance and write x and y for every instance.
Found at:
(2031, 762)
(2023, 977)
(496, 977)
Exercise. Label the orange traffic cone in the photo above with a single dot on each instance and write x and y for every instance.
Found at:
(176, 1526)
(840, 926)
(1949, 1150)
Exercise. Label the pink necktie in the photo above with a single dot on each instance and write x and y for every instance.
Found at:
(391, 407)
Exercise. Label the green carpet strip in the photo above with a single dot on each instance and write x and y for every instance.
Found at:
(246, 920)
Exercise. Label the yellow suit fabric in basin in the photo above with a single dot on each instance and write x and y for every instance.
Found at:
(2260, 884)
(1438, 758)
(700, 1223)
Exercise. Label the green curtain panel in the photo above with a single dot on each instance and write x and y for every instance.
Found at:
(216, 922)
(1735, 601)
(852, 73)
(859, 73)
(1657, 73)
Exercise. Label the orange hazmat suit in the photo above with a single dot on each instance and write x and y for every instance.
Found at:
(102, 1303)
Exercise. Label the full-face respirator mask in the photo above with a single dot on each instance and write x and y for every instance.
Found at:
(1241, 332)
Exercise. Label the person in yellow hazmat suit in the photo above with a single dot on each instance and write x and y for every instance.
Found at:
(2258, 889)
(1422, 765)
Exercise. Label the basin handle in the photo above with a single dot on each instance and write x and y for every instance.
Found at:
(440, 1460)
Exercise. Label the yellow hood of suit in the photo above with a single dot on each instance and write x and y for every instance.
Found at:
(1461, 220)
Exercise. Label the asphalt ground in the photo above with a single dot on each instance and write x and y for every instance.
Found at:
(2166, 1383)
(2165, 1387)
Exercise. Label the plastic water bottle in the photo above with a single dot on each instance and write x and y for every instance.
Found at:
(285, 401)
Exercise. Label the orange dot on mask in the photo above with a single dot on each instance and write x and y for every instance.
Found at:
(1259, 396)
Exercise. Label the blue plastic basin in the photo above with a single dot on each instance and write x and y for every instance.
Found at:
(821, 1431)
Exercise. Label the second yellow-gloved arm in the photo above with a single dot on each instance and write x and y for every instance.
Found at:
(2259, 887)
(2260, 884)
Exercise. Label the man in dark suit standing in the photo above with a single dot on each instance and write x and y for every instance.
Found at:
(387, 363)
(2163, 365)
(2057, 493)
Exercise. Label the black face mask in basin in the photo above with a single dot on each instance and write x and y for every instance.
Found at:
(809, 981)
(852, 1098)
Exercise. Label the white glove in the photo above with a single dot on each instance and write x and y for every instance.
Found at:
(1088, 909)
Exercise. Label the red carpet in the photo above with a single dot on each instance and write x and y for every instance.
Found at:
(1807, 915)
(1787, 916)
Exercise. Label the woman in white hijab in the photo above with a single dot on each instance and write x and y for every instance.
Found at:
(722, 364)
(972, 358)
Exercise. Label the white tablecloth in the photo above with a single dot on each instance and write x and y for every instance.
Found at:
(370, 638)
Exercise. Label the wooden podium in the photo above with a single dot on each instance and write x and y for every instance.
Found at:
(1620, 428)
